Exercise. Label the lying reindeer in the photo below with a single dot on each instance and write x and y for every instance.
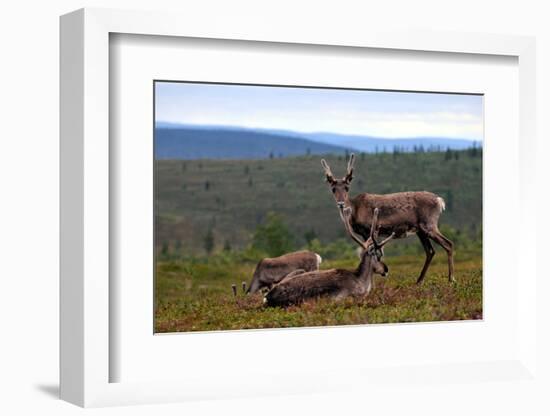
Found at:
(270, 271)
(334, 283)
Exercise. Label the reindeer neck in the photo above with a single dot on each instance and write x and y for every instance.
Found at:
(364, 269)
(351, 206)
(362, 208)
(361, 204)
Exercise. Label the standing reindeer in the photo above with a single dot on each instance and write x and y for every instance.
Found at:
(402, 213)
(334, 283)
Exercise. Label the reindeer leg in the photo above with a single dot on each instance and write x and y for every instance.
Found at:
(428, 248)
(447, 245)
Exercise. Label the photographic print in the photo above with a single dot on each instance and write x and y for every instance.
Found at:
(289, 206)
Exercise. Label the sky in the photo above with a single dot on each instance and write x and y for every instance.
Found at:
(381, 114)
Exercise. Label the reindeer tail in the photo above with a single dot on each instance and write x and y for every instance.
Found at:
(441, 203)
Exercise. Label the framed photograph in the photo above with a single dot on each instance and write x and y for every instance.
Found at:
(241, 179)
(246, 214)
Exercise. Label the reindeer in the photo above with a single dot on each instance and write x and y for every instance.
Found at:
(334, 283)
(402, 213)
(270, 271)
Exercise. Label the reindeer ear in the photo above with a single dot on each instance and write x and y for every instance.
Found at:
(330, 179)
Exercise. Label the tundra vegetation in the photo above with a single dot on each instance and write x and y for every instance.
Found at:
(209, 237)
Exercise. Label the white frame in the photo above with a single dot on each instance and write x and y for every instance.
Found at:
(85, 193)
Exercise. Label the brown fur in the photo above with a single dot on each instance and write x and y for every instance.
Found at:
(335, 283)
(270, 271)
(401, 213)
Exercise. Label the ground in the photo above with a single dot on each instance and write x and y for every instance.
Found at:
(197, 296)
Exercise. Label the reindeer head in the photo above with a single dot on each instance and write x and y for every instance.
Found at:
(340, 187)
(378, 266)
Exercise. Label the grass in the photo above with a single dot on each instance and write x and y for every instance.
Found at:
(195, 295)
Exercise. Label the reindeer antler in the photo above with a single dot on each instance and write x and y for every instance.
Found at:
(328, 173)
(349, 174)
(374, 232)
(345, 214)
(380, 245)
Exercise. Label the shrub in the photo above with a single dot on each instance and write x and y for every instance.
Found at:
(273, 236)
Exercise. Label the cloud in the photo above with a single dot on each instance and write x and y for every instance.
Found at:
(380, 114)
(400, 125)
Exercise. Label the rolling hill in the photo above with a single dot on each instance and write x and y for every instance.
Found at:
(224, 143)
(370, 144)
(232, 197)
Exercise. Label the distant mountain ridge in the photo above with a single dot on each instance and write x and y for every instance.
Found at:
(220, 143)
(371, 144)
(179, 141)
